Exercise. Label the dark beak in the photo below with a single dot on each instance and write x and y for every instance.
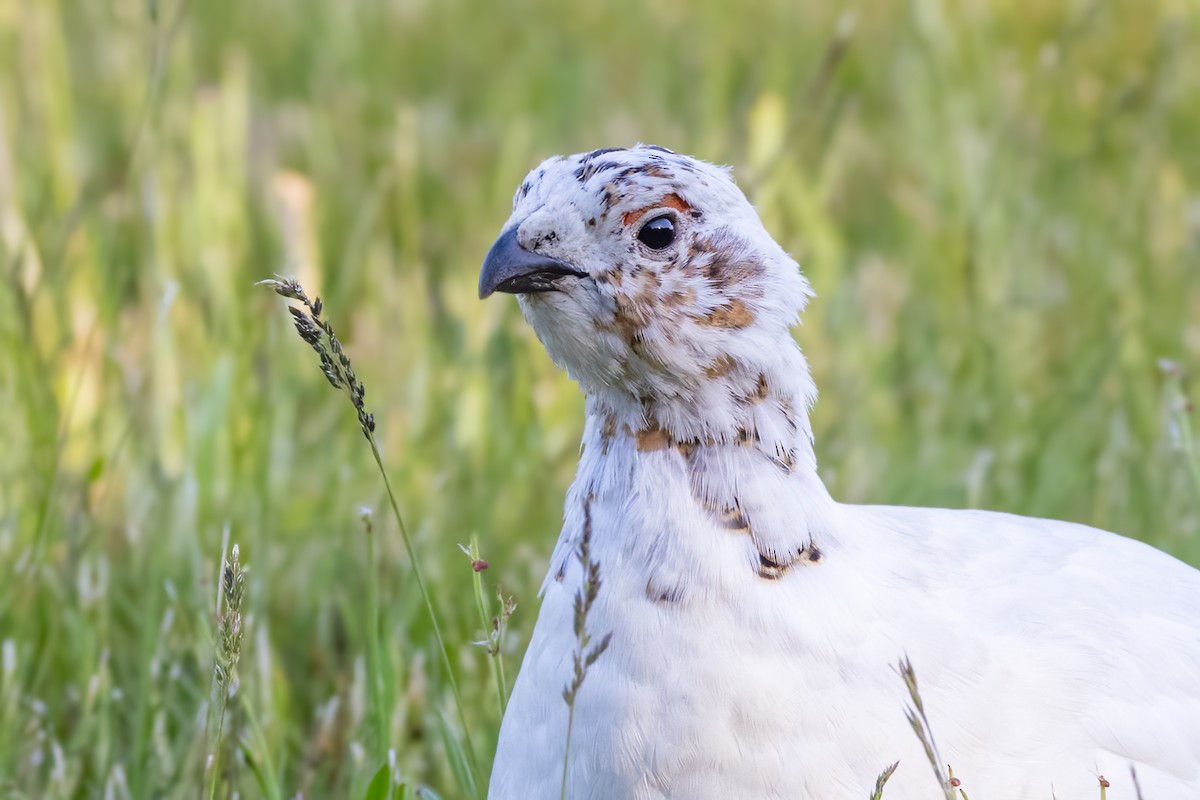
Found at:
(508, 267)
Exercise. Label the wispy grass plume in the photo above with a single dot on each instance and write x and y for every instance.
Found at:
(920, 725)
(882, 780)
(585, 652)
(335, 364)
(230, 632)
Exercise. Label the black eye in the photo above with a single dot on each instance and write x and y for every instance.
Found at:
(657, 233)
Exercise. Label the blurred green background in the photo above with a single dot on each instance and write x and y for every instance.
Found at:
(997, 204)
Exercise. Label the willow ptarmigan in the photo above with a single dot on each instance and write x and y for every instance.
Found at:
(755, 622)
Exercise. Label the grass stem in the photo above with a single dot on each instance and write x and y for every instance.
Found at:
(425, 596)
(338, 370)
(494, 625)
(380, 709)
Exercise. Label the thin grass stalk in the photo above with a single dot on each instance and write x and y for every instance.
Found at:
(1187, 438)
(478, 565)
(379, 708)
(1137, 785)
(562, 793)
(338, 370)
(920, 725)
(494, 625)
(584, 655)
(496, 662)
(425, 596)
(260, 760)
(507, 607)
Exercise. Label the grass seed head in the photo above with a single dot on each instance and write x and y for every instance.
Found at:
(230, 630)
(318, 334)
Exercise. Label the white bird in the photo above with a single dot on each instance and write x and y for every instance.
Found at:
(756, 623)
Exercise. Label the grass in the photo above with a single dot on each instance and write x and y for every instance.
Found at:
(336, 366)
(230, 633)
(919, 721)
(495, 626)
(997, 204)
(586, 653)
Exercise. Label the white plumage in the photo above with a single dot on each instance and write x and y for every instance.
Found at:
(756, 623)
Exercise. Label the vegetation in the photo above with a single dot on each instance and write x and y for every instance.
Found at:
(997, 204)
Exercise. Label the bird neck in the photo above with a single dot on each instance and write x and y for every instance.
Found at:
(759, 402)
(734, 457)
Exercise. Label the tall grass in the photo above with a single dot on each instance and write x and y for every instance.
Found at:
(995, 202)
(316, 331)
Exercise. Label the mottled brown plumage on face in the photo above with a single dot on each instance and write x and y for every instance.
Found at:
(672, 308)
(648, 317)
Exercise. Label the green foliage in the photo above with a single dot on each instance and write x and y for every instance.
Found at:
(996, 202)
(380, 787)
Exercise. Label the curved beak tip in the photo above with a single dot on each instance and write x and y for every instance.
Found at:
(509, 267)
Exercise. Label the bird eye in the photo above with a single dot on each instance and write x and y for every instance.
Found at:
(657, 233)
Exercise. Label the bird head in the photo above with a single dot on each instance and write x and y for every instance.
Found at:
(650, 279)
